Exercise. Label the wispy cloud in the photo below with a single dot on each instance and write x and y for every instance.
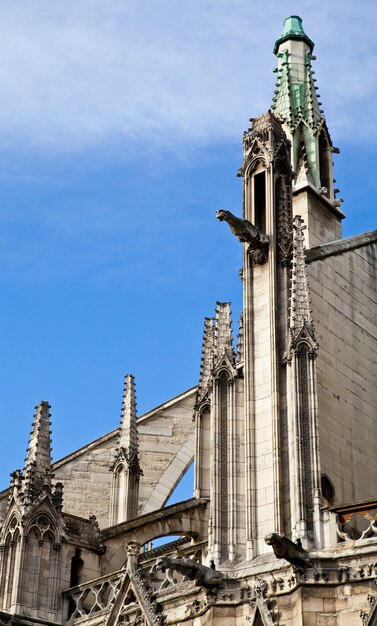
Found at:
(82, 72)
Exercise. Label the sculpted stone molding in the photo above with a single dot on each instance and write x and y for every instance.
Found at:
(246, 232)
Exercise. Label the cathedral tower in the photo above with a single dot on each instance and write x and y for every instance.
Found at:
(264, 399)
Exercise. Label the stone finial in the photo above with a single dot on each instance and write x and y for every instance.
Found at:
(37, 469)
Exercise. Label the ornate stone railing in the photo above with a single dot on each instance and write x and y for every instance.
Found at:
(95, 598)
(91, 598)
(357, 521)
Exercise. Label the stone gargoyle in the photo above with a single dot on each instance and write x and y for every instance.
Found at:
(204, 576)
(246, 232)
(286, 549)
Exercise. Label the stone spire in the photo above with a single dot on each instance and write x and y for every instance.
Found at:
(296, 103)
(224, 340)
(126, 468)
(128, 438)
(37, 469)
(301, 324)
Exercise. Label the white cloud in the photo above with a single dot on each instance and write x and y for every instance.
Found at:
(81, 72)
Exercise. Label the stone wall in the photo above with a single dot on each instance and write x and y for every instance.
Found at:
(344, 301)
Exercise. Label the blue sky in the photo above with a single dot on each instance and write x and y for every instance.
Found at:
(121, 126)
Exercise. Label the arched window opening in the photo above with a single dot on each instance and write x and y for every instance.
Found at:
(77, 566)
(118, 505)
(12, 549)
(328, 491)
(259, 189)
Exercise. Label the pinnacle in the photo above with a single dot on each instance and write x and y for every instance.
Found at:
(38, 459)
(128, 428)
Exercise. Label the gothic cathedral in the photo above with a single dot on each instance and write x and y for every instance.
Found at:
(282, 427)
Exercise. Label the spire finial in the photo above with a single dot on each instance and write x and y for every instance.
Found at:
(293, 29)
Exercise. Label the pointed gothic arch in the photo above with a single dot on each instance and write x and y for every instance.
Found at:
(118, 511)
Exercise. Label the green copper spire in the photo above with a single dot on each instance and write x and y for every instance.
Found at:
(293, 30)
(296, 104)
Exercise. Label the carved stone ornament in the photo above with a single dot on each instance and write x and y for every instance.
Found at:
(246, 232)
(203, 576)
(261, 606)
(286, 549)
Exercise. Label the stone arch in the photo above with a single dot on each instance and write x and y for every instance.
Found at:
(259, 161)
(185, 519)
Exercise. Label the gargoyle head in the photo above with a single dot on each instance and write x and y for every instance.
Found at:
(221, 214)
(162, 563)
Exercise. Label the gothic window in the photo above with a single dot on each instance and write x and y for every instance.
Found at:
(41, 563)
(77, 565)
(9, 567)
(119, 495)
(259, 188)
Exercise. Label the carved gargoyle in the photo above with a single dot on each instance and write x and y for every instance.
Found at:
(205, 576)
(286, 549)
(246, 232)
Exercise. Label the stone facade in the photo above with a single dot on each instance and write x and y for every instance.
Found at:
(281, 529)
